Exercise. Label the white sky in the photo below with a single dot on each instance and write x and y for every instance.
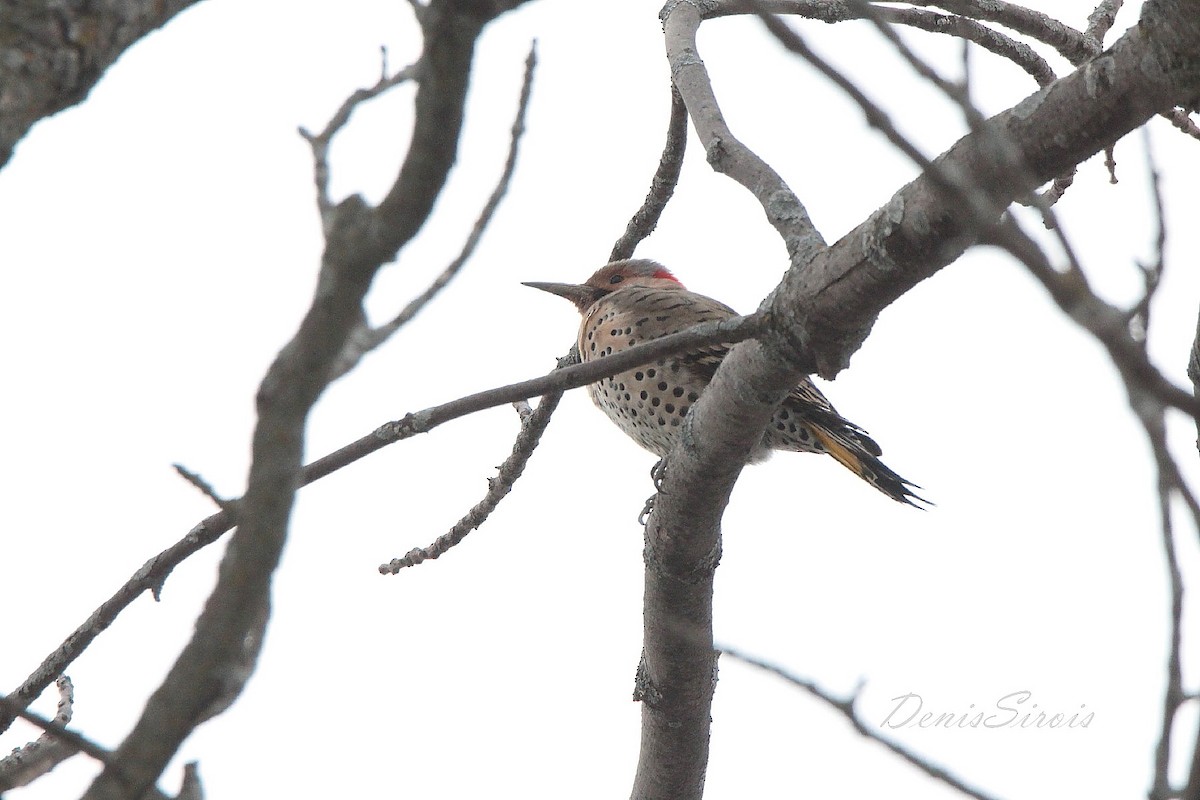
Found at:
(161, 242)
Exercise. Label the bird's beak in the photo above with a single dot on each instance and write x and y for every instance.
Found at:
(580, 294)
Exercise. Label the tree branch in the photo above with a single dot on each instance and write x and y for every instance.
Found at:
(824, 309)
(373, 338)
(210, 672)
(724, 151)
(56, 744)
(155, 571)
(533, 425)
(924, 226)
(320, 142)
(662, 185)
(845, 706)
(61, 52)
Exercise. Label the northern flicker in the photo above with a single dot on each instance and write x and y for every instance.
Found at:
(632, 301)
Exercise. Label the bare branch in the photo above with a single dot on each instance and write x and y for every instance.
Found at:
(1071, 291)
(662, 186)
(154, 572)
(1075, 46)
(56, 744)
(211, 669)
(190, 787)
(1180, 120)
(1098, 315)
(62, 53)
(320, 142)
(724, 151)
(1101, 20)
(1152, 416)
(204, 486)
(846, 707)
(954, 200)
(821, 313)
(533, 425)
(1139, 315)
(727, 331)
(961, 27)
(373, 338)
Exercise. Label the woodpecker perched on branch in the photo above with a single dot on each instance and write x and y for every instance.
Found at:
(632, 301)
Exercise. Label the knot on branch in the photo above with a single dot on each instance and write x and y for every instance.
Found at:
(644, 690)
(701, 569)
(410, 425)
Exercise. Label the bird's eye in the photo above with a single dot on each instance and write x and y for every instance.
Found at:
(616, 279)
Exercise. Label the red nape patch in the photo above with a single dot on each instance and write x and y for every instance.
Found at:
(665, 274)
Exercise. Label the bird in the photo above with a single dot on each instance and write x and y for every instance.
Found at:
(635, 300)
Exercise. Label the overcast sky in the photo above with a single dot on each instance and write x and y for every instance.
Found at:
(161, 243)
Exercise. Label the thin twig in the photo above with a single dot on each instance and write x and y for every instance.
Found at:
(372, 338)
(1073, 45)
(533, 425)
(728, 331)
(204, 486)
(1108, 324)
(56, 744)
(724, 151)
(969, 30)
(662, 185)
(958, 26)
(846, 707)
(319, 142)
(958, 93)
(1151, 413)
(1139, 314)
(1183, 122)
(156, 570)
(1069, 289)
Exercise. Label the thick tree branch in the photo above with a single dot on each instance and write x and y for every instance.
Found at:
(213, 667)
(924, 227)
(678, 672)
(52, 54)
(824, 309)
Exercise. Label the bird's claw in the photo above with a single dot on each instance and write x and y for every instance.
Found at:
(657, 473)
(646, 509)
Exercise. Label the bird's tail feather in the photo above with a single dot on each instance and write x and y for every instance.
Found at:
(867, 466)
